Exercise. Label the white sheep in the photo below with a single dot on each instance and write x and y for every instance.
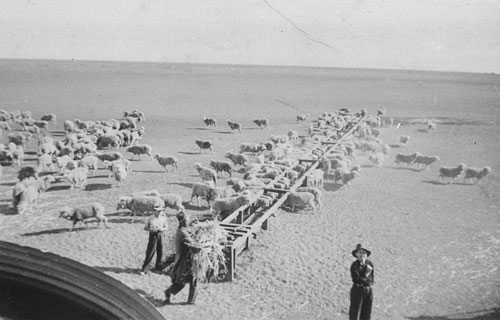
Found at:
(207, 174)
(346, 176)
(425, 160)
(201, 190)
(89, 162)
(301, 200)
(293, 135)
(111, 165)
(234, 125)
(120, 174)
(315, 191)
(453, 173)
(225, 206)
(142, 204)
(140, 149)
(45, 162)
(279, 139)
(84, 213)
(237, 159)
(77, 177)
(478, 173)
(220, 192)
(167, 161)
(315, 179)
(173, 201)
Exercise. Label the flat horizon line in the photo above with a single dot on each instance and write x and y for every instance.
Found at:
(247, 67)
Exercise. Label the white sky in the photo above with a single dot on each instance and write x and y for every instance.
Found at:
(444, 35)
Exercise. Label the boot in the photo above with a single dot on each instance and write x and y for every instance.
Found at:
(192, 292)
(167, 297)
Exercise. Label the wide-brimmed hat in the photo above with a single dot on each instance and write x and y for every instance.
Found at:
(158, 207)
(360, 247)
(181, 216)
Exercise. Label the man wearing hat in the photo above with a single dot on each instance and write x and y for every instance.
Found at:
(362, 274)
(156, 224)
(181, 273)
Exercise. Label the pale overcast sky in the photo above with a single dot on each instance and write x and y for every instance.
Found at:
(444, 35)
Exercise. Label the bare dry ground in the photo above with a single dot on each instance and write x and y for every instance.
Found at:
(435, 246)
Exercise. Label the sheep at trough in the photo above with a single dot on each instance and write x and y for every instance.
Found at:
(403, 140)
(167, 161)
(220, 192)
(237, 159)
(315, 191)
(222, 166)
(478, 173)
(141, 204)
(77, 177)
(173, 201)
(426, 161)
(84, 213)
(409, 159)
(261, 122)
(210, 122)
(44, 162)
(201, 190)
(206, 173)
(252, 147)
(221, 208)
(139, 149)
(234, 125)
(204, 144)
(315, 179)
(89, 162)
(452, 173)
(302, 117)
(301, 200)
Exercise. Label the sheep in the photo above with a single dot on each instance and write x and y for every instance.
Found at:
(142, 204)
(173, 201)
(237, 159)
(370, 146)
(315, 179)
(4, 125)
(83, 213)
(220, 192)
(89, 162)
(315, 191)
(279, 139)
(201, 190)
(403, 140)
(452, 173)
(69, 126)
(49, 117)
(26, 173)
(20, 138)
(302, 117)
(385, 149)
(300, 199)
(44, 183)
(64, 162)
(24, 196)
(234, 125)
(109, 156)
(139, 115)
(167, 161)
(431, 126)
(478, 173)
(221, 208)
(111, 165)
(252, 148)
(109, 141)
(293, 135)
(222, 166)
(120, 173)
(261, 122)
(77, 177)
(376, 158)
(204, 144)
(18, 155)
(207, 174)
(409, 159)
(42, 124)
(425, 160)
(210, 122)
(140, 149)
(47, 148)
(346, 176)
(45, 162)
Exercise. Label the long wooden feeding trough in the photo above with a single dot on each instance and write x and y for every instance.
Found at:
(244, 223)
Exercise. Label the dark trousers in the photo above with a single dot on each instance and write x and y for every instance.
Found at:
(361, 303)
(155, 245)
(175, 288)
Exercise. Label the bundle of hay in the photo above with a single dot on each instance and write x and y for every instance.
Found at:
(211, 238)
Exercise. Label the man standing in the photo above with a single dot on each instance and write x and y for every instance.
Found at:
(181, 271)
(156, 225)
(362, 274)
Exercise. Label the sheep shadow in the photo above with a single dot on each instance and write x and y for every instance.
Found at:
(395, 146)
(405, 168)
(151, 171)
(156, 302)
(226, 132)
(187, 185)
(32, 153)
(189, 206)
(128, 220)
(8, 184)
(364, 166)
(443, 183)
(203, 129)
(57, 188)
(56, 231)
(189, 153)
(6, 210)
(98, 176)
(331, 186)
(489, 314)
(97, 186)
(118, 270)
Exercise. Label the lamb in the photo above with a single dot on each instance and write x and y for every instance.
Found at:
(403, 140)
(89, 162)
(315, 191)
(167, 161)
(425, 160)
(44, 183)
(210, 122)
(346, 176)
(204, 144)
(237, 159)
(452, 173)
(207, 174)
(478, 173)
(221, 208)
(45, 162)
(18, 155)
(220, 192)
(111, 165)
(142, 204)
(261, 122)
(376, 158)
(140, 149)
(173, 201)
(406, 158)
(222, 166)
(300, 199)
(77, 177)
(234, 125)
(252, 148)
(201, 190)
(315, 179)
(120, 173)
(83, 213)
(302, 117)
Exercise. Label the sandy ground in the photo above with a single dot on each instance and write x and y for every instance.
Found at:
(434, 246)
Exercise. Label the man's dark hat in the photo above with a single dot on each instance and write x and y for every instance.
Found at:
(181, 216)
(360, 247)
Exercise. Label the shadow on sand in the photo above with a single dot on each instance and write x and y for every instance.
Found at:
(444, 183)
(118, 270)
(189, 206)
(331, 186)
(98, 186)
(187, 185)
(489, 314)
(56, 231)
(191, 153)
(405, 168)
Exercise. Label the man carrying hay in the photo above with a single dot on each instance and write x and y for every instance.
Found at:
(198, 255)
